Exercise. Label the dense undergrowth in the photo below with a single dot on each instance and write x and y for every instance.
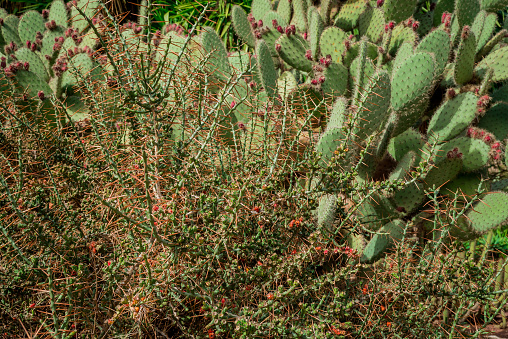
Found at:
(143, 220)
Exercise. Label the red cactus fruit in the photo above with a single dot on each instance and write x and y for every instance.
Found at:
(280, 29)
(41, 95)
(380, 3)
(308, 54)
(314, 82)
(278, 47)
(275, 23)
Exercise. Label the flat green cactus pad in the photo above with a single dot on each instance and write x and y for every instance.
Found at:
(31, 82)
(410, 140)
(286, 83)
(218, 63)
(242, 25)
(489, 213)
(31, 23)
(466, 11)
(372, 24)
(326, 210)
(383, 240)
(336, 76)
(464, 185)
(452, 117)
(332, 43)
(401, 34)
(10, 30)
(464, 61)
(58, 12)
(349, 14)
(475, 153)
(399, 10)
(436, 42)
(266, 69)
(412, 81)
(498, 61)
(36, 64)
(293, 49)
(496, 121)
(494, 5)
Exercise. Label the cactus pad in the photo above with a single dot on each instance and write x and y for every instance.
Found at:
(242, 25)
(10, 30)
(372, 23)
(464, 61)
(336, 76)
(36, 64)
(286, 83)
(437, 42)
(496, 121)
(410, 140)
(400, 35)
(453, 117)
(58, 12)
(475, 153)
(266, 69)
(332, 43)
(498, 61)
(411, 83)
(466, 11)
(383, 240)
(350, 13)
(30, 81)
(31, 23)
(399, 10)
(489, 213)
(293, 49)
(218, 62)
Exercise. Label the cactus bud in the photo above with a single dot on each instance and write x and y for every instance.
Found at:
(233, 104)
(3, 63)
(488, 138)
(391, 25)
(278, 47)
(495, 145)
(347, 44)
(416, 24)
(401, 209)
(483, 101)
(471, 132)
(305, 36)
(45, 13)
(381, 50)
(252, 85)
(258, 35)
(466, 30)
(380, 3)
(409, 22)
(254, 25)
(241, 126)
(7, 49)
(308, 55)
(293, 29)
(56, 47)
(314, 82)
(260, 23)
(351, 36)
(26, 66)
(450, 94)
(41, 95)
(28, 43)
(317, 68)
(51, 25)
(280, 29)
(250, 18)
(480, 111)
(444, 16)
(321, 79)
(275, 23)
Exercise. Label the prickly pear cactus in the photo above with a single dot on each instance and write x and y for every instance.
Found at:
(399, 80)
(42, 51)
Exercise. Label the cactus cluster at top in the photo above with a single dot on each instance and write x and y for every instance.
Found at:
(38, 50)
(390, 81)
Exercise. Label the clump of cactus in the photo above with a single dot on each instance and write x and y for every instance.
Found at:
(41, 51)
(402, 96)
